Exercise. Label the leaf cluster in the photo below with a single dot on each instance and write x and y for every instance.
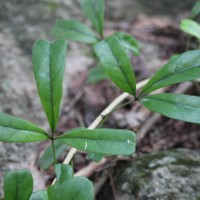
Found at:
(49, 60)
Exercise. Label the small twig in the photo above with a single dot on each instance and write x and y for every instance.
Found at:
(98, 185)
(105, 112)
(146, 126)
(88, 170)
(112, 186)
(113, 105)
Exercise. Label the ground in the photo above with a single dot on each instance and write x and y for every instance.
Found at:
(155, 25)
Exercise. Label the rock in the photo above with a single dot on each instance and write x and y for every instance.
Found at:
(166, 175)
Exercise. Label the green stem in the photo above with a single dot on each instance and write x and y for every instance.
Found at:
(101, 36)
(53, 149)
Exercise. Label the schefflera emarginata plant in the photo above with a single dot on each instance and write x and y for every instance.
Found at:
(48, 65)
(182, 68)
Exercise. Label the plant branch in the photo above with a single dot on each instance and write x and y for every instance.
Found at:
(53, 149)
(101, 117)
(104, 113)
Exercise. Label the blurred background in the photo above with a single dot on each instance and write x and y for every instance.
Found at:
(155, 24)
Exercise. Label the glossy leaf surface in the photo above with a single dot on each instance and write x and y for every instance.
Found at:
(94, 10)
(101, 141)
(116, 63)
(18, 185)
(63, 172)
(47, 159)
(128, 42)
(74, 30)
(190, 27)
(95, 157)
(185, 67)
(176, 106)
(196, 9)
(13, 129)
(49, 64)
(39, 195)
(97, 74)
(76, 188)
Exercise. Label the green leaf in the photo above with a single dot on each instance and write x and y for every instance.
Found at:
(39, 195)
(116, 63)
(95, 157)
(47, 159)
(190, 27)
(13, 129)
(49, 64)
(128, 42)
(97, 74)
(76, 188)
(173, 57)
(185, 67)
(94, 10)
(101, 141)
(196, 9)
(73, 30)
(18, 185)
(176, 106)
(63, 172)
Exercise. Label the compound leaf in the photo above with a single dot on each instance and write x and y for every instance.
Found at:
(49, 64)
(116, 63)
(13, 129)
(176, 106)
(63, 172)
(76, 188)
(94, 10)
(182, 68)
(128, 42)
(190, 27)
(74, 30)
(95, 157)
(18, 185)
(101, 141)
(46, 160)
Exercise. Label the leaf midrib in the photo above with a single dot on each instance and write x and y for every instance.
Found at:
(90, 139)
(122, 70)
(171, 74)
(18, 129)
(51, 88)
(177, 104)
(95, 13)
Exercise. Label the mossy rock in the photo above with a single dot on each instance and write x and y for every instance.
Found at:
(166, 175)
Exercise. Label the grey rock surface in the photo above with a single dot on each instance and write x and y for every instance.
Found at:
(168, 175)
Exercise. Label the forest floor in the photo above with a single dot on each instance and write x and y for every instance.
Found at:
(159, 38)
